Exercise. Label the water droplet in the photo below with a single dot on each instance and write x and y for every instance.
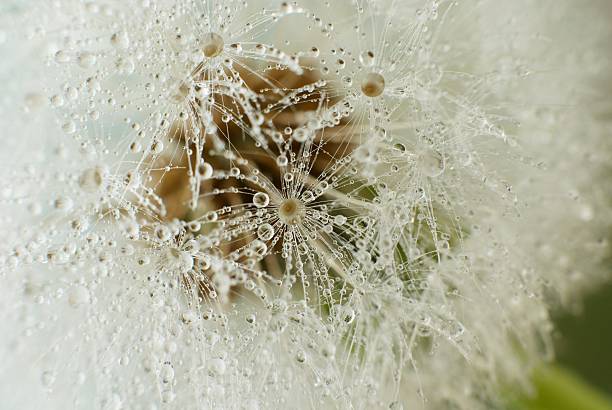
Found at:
(92, 179)
(212, 45)
(339, 220)
(62, 57)
(120, 40)
(166, 373)
(205, 170)
(69, 127)
(373, 85)
(301, 135)
(265, 232)
(431, 163)
(86, 60)
(261, 199)
(366, 58)
(157, 147)
(163, 233)
(48, 378)
(282, 161)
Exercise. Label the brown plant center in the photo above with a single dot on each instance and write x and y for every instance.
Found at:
(291, 211)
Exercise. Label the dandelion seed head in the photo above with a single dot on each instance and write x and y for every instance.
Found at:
(229, 204)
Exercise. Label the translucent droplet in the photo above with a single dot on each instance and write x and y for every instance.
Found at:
(366, 58)
(265, 232)
(63, 203)
(399, 147)
(157, 147)
(339, 220)
(62, 57)
(301, 135)
(431, 163)
(300, 356)
(261, 199)
(282, 161)
(135, 147)
(87, 60)
(120, 40)
(163, 233)
(373, 85)
(286, 7)
(212, 45)
(92, 179)
(57, 100)
(48, 378)
(167, 396)
(260, 49)
(205, 170)
(69, 127)
(346, 314)
(180, 260)
(259, 247)
(166, 373)
(308, 196)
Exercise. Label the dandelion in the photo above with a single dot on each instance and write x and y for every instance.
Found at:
(204, 212)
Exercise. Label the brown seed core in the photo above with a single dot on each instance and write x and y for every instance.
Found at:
(291, 211)
(373, 85)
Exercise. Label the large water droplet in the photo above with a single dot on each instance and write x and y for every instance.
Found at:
(261, 199)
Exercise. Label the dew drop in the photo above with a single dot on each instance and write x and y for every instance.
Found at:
(261, 199)
(265, 232)
(339, 220)
(91, 179)
(366, 58)
(205, 170)
(212, 45)
(301, 135)
(282, 160)
(167, 373)
(62, 57)
(373, 85)
(431, 163)
(69, 127)
(48, 378)
(120, 40)
(87, 60)
(157, 147)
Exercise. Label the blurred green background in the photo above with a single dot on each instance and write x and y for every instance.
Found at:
(584, 341)
(581, 377)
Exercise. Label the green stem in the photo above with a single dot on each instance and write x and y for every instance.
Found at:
(559, 389)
